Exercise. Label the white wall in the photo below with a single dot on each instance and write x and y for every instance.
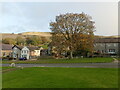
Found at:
(37, 52)
(25, 52)
(16, 51)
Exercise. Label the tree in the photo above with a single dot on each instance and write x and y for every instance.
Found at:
(44, 40)
(20, 40)
(58, 46)
(8, 41)
(33, 40)
(73, 32)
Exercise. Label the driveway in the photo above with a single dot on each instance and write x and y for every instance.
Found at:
(91, 65)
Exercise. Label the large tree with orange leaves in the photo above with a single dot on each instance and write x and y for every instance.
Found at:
(71, 32)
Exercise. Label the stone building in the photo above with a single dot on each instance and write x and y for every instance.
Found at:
(6, 50)
(108, 46)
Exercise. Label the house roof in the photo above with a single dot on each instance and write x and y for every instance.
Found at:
(6, 47)
(107, 40)
(31, 48)
(19, 47)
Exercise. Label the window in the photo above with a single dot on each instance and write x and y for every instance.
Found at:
(22, 51)
(24, 55)
(111, 50)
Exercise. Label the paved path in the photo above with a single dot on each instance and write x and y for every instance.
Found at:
(92, 65)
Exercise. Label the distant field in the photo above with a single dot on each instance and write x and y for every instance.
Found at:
(12, 35)
(46, 77)
(79, 60)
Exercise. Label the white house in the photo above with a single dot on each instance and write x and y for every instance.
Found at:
(24, 51)
(16, 52)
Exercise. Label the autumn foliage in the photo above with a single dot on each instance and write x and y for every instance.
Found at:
(72, 32)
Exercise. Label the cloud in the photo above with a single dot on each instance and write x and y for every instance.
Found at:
(36, 16)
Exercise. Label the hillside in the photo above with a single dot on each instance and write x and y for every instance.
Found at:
(41, 34)
(44, 34)
(9, 35)
(115, 36)
(25, 34)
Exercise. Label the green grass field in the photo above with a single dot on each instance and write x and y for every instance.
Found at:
(54, 77)
(79, 60)
(4, 68)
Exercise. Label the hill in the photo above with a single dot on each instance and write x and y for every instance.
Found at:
(25, 34)
(9, 35)
(41, 34)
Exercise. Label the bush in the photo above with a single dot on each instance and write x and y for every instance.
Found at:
(45, 57)
(4, 58)
(11, 58)
(8, 58)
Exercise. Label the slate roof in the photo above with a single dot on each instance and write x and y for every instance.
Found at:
(6, 47)
(31, 48)
(107, 40)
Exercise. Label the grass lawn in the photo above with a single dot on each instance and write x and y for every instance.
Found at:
(4, 68)
(54, 77)
(78, 60)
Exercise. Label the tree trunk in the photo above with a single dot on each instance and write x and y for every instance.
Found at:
(71, 54)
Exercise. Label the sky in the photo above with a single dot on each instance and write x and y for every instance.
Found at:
(17, 17)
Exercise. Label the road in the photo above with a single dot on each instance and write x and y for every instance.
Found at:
(90, 65)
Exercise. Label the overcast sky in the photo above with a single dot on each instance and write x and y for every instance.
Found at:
(36, 16)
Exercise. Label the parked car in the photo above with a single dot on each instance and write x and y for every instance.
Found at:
(23, 58)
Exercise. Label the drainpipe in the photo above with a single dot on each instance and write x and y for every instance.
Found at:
(105, 49)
